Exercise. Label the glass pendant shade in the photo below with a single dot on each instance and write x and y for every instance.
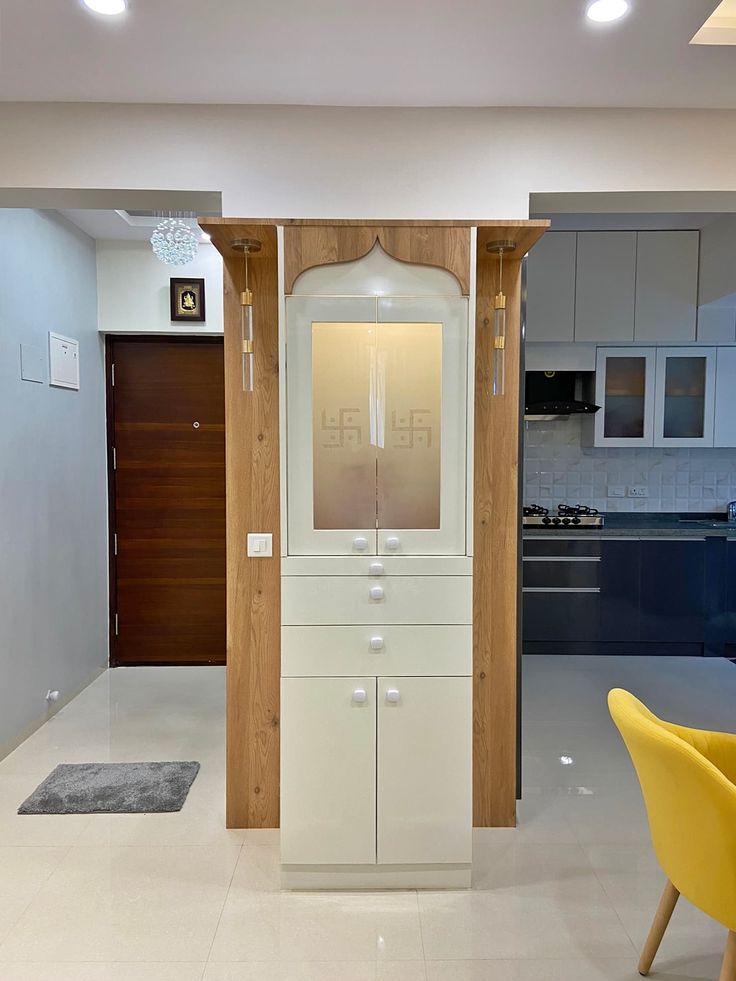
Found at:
(246, 332)
(174, 242)
(499, 344)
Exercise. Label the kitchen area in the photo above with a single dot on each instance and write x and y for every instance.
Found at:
(629, 525)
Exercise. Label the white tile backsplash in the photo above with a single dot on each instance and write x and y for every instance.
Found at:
(558, 469)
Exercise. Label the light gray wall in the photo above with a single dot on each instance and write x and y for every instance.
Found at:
(53, 521)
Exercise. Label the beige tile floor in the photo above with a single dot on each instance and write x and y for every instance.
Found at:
(568, 896)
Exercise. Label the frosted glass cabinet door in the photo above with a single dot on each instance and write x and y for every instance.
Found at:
(422, 409)
(328, 771)
(625, 387)
(684, 414)
(331, 483)
(425, 755)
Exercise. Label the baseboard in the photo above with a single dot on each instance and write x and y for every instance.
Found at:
(53, 709)
(375, 877)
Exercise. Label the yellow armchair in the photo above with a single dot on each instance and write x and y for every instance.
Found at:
(688, 780)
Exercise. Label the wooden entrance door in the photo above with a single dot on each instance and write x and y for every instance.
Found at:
(166, 424)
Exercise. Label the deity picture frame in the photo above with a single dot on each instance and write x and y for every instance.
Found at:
(187, 300)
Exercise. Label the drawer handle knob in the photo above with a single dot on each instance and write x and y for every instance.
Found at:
(376, 568)
(376, 592)
(376, 643)
(393, 695)
(360, 544)
(392, 543)
(360, 695)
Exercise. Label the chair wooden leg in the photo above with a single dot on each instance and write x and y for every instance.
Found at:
(728, 969)
(661, 919)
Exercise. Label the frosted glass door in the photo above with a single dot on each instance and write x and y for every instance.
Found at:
(685, 397)
(625, 392)
(331, 481)
(425, 754)
(421, 476)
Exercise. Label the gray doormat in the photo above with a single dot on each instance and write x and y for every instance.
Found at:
(112, 788)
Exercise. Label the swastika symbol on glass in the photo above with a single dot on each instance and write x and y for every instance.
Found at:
(412, 429)
(342, 429)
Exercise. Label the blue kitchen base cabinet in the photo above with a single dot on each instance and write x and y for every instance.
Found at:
(652, 596)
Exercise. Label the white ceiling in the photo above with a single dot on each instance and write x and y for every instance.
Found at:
(100, 224)
(385, 52)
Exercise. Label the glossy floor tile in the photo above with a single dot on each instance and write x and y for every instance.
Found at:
(567, 896)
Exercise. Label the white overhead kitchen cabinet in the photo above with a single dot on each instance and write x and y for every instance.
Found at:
(725, 413)
(662, 396)
(376, 716)
(620, 287)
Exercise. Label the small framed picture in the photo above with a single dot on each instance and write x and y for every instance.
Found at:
(187, 299)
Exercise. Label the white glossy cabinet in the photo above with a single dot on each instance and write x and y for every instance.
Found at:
(550, 288)
(625, 391)
(666, 287)
(376, 771)
(663, 396)
(725, 410)
(328, 770)
(376, 585)
(424, 770)
(684, 396)
(605, 287)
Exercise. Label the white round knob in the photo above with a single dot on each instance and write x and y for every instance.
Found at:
(360, 544)
(376, 643)
(393, 695)
(392, 543)
(376, 592)
(376, 568)
(360, 695)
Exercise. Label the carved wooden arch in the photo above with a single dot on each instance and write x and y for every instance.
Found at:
(307, 246)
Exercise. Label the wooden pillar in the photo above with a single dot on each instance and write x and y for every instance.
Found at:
(495, 546)
(253, 505)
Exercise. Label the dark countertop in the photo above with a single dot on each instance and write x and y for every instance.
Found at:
(640, 525)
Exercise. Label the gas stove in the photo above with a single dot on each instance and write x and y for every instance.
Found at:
(568, 515)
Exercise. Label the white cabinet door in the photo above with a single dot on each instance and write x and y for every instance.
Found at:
(425, 752)
(550, 288)
(605, 286)
(666, 287)
(421, 433)
(685, 396)
(725, 414)
(328, 771)
(331, 476)
(625, 392)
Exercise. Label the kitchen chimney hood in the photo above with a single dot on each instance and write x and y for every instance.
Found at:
(551, 395)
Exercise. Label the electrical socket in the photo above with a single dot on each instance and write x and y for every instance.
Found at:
(638, 490)
(616, 491)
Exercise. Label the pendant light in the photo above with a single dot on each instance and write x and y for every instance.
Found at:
(248, 246)
(174, 241)
(499, 317)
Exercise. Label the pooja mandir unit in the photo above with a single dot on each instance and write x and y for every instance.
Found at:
(372, 375)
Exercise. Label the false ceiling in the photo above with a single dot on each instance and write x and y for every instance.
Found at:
(382, 53)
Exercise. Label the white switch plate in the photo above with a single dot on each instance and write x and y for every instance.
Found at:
(63, 361)
(638, 490)
(260, 546)
(616, 491)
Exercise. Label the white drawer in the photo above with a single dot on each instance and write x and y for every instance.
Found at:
(398, 599)
(404, 649)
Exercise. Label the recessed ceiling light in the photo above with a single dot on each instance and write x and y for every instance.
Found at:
(605, 11)
(109, 7)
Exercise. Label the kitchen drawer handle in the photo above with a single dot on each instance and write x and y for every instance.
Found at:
(561, 589)
(392, 543)
(360, 695)
(376, 643)
(360, 544)
(562, 558)
(376, 569)
(393, 695)
(670, 538)
(376, 593)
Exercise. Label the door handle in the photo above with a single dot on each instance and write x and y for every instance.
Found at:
(360, 695)
(393, 695)
(376, 643)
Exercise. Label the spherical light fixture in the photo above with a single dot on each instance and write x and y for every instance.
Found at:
(108, 7)
(174, 242)
(606, 11)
